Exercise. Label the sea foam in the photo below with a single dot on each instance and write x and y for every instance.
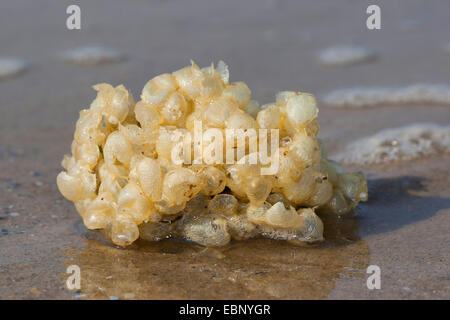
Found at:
(361, 97)
(10, 67)
(91, 55)
(343, 55)
(397, 144)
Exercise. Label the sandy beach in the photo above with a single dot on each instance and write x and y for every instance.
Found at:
(272, 45)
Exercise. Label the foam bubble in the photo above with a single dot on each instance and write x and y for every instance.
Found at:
(397, 144)
(10, 67)
(91, 55)
(343, 55)
(361, 97)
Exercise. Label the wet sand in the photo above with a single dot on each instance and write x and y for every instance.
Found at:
(404, 228)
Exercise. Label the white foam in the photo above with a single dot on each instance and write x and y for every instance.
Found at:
(91, 55)
(361, 97)
(10, 67)
(343, 55)
(397, 144)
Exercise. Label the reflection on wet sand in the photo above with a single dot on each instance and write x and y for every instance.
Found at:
(254, 269)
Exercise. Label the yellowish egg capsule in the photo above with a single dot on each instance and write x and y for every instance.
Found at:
(224, 204)
(175, 109)
(301, 108)
(280, 216)
(269, 118)
(124, 230)
(158, 89)
(215, 180)
(147, 115)
(239, 92)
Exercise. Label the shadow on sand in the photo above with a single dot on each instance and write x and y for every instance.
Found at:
(396, 202)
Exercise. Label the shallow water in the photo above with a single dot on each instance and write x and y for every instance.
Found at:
(254, 269)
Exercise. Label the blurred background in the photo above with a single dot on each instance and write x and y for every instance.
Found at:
(272, 45)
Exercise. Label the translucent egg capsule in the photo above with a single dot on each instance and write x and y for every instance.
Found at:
(113, 172)
(167, 208)
(218, 112)
(257, 189)
(240, 228)
(323, 194)
(311, 229)
(252, 108)
(240, 120)
(100, 212)
(132, 201)
(196, 207)
(288, 172)
(210, 231)
(300, 192)
(239, 92)
(212, 85)
(338, 204)
(121, 102)
(282, 97)
(158, 89)
(147, 115)
(78, 185)
(224, 204)
(175, 109)
(257, 214)
(117, 147)
(353, 186)
(269, 118)
(181, 185)
(124, 230)
(150, 177)
(301, 108)
(304, 150)
(280, 216)
(278, 197)
(112, 103)
(215, 180)
(87, 153)
(155, 231)
(190, 80)
(222, 70)
(334, 169)
(88, 128)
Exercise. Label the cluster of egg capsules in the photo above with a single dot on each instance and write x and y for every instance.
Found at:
(123, 180)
